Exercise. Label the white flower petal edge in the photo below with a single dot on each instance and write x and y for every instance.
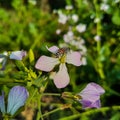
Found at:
(52, 49)
(45, 63)
(92, 92)
(99, 89)
(17, 55)
(74, 58)
(61, 79)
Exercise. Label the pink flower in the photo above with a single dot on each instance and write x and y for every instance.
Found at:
(91, 96)
(61, 78)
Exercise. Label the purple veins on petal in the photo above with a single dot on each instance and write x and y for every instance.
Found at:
(91, 95)
(98, 88)
(92, 92)
(2, 103)
(17, 55)
(16, 99)
(45, 63)
(61, 79)
(96, 104)
(89, 104)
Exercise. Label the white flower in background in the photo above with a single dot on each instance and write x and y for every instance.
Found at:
(1, 59)
(81, 28)
(97, 38)
(116, 1)
(104, 7)
(79, 43)
(82, 49)
(63, 45)
(84, 61)
(75, 17)
(69, 7)
(96, 20)
(68, 37)
(73, 42)
(33, 2)
(62, 18)
(85, 2)
(58, 31)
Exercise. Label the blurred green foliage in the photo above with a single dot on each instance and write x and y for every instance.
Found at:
(24, 27)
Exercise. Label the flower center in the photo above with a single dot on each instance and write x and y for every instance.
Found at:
(62, 59)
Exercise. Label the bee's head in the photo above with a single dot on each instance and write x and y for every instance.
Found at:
(62, 51)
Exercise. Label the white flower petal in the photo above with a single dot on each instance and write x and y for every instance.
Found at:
(17, 55)
(74, 58)
(45, 63)
(53, 49)
(81, 28)
(62, 79)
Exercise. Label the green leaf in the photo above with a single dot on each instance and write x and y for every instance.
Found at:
(116, 116)
(16, 3)
(39, 82)
(20, 65)
(116, 17)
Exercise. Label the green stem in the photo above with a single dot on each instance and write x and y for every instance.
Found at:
(48, 113)
(98, 24)
(52, 94)
(98, 27)
(90, 112)
(35, 91)
(39, 114)
(6, 81)
(6, 117)
(65, 106)
(37, 41)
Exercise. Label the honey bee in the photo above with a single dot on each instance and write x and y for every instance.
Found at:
(60, 52)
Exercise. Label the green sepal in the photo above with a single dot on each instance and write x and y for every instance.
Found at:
(31, 56)
(20, 65)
